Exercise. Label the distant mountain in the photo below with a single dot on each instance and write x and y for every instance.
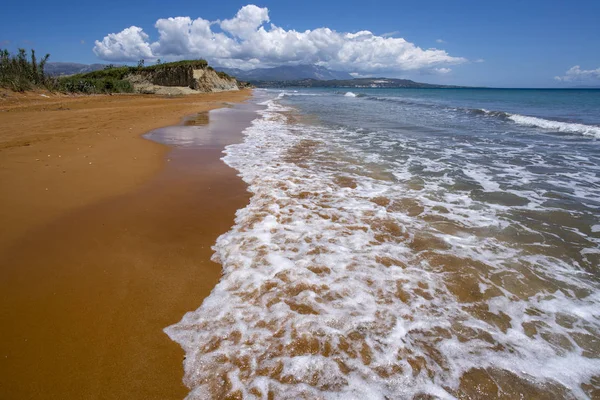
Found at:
(67, 68)
(350, 83)
(585, 87)
(283, 76)
(286, 73)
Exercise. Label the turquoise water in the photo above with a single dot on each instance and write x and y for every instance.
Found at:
(569, 107)
(409, 244)
(577, 105)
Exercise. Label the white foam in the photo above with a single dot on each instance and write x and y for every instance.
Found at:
(482, 177)
(326, 293)
(350, 94)
(582, 129)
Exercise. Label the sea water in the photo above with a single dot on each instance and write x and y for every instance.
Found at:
(408, 243)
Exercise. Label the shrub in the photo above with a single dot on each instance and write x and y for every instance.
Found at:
(112, 73)
(81, 84)
(223, 75)
(194, 63)
(19, 73)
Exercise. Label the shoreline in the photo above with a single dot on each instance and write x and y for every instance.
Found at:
(88, 292)
(64, 152)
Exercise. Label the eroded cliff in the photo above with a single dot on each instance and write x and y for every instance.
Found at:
(181, 79)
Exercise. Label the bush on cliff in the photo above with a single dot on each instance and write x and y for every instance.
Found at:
(20, 73)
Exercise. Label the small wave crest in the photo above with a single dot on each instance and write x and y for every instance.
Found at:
(524, 120)
(483, 111)
(535, 122)
(295, 93)
(566, 127)
(350, 94)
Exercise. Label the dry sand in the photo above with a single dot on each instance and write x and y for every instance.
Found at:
(62, 152)
(101, 247)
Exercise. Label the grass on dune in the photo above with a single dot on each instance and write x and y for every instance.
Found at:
(20, 72)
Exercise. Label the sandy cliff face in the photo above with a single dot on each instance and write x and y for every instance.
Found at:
(181, 80)
(207, 80)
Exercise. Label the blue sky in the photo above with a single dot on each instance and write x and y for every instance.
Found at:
(507, 44)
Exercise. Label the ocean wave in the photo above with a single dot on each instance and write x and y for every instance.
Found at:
(296, 93)
(536, 122)
(342, 283)
(524, 120)
(566, 127)
(483, 111)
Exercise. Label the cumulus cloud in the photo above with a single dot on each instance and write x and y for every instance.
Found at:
(577, 74)
(249, 39)
(128, 45)
(246, 22)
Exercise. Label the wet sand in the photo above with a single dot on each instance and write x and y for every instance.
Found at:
(84, 296)
(61, 152)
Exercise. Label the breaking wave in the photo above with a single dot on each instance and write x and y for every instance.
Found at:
(346, 277)
(566, 127)
(524, 120)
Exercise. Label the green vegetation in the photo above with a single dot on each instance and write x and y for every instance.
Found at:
(223, 75)
(220, 74)
(20, 73)
(109, 72)
(108, 80)
(78, 84)
(196, 64)
(113, 79)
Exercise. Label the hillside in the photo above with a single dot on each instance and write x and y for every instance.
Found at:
(22, 72)
(69, 68)
(286, 73)
(181, 77)
(350, 83)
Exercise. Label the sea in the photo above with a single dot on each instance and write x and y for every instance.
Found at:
(408, 244)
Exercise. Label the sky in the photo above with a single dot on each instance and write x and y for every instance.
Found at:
(526, 43)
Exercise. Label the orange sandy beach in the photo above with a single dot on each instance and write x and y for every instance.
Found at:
(103, 242)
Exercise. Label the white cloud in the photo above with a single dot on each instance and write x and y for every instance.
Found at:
(479, 60)
(128, 45)
(390, 34)
(577, 74)
(248, 40)
(440, 41)
(247, 20)
(443, 71)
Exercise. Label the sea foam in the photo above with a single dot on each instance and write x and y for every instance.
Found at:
(582, 129)
(346, 278)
